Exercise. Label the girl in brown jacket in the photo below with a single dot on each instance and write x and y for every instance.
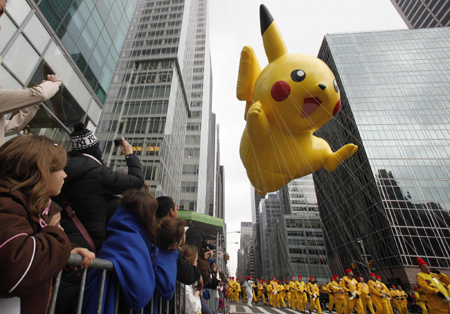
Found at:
(33, 247)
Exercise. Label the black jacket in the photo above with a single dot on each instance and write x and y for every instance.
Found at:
(92, 189)
(186, 273)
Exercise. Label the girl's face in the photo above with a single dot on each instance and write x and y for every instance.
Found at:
(56, 182)
(215, 269)
(195, 261)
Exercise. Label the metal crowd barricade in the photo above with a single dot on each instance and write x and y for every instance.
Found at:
(174, 306)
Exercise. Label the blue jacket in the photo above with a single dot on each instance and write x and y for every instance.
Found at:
(139, 267)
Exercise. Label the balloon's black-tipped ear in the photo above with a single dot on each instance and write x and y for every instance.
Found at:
(273, 40)
(265, 18)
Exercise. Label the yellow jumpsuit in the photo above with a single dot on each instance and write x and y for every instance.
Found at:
(260, 292)
(351, 285)
(301, 291)
(366, 298)
(287, 296)
(331, 296)
(255, 289)
(395, 300)
(231, 284)
(431, 284)
(292, 295)
(281, 295)
(420, 302)
(244, 294)
(237, 287)
(386, 292)
(403, 302)
(339, 297)
(276, 295)
(314, 293)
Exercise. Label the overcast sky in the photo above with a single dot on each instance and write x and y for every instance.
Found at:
(234, 24)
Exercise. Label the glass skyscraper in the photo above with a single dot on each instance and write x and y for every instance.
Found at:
(157, 103)
(34, 42)
(390, 202)
(424, 14)
(297, 245)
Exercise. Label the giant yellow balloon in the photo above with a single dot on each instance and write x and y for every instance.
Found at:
(286, 102)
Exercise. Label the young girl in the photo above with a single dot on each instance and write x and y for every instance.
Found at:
(193, 303)
(144, 254)
(33, 249)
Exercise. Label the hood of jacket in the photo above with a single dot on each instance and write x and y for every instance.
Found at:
(78, 166)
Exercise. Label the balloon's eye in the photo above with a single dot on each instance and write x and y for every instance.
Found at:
(298, 75)
(336, 88)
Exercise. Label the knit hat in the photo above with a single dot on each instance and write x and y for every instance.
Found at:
(259, 279)
(287, 280)
(415, 288)
(392, 286)
(84, 141)
(311, 278)
(332, 278)
(359, 278)
(372, 274)
(421, 262)
(300, 277)
(335, 276)
(379, 277)
(348, 270)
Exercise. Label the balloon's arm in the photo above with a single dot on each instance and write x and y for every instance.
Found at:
(257, 125)
(249, 70)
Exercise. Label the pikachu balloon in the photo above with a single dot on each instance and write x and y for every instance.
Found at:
(291, 98)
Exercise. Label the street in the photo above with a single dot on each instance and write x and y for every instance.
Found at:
(241, 308)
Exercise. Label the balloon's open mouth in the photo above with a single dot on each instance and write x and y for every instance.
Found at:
(309, 106)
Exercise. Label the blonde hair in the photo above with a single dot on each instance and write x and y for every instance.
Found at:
(27, 163)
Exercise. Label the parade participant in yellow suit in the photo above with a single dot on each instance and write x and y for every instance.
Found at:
(387, 296)
(434, 284)
(291, 293)
(331, 295)
(282, 292)
(313, 290)
(260, 291)
(376, 288)
(286, 291)
(403, 302)
(276, 295)
(394, 299)
(366, 296)
(339, 295)
(273, 291)
(420, 300)
(350, 286)
(231, 284)
(237, 286)
(301, 290)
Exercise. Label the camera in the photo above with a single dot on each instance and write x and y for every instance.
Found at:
(118, 142)
(208, 246)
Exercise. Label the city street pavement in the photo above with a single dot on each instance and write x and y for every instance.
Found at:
(265, 309)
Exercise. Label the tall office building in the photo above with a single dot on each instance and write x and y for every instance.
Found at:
(271, 214)
(198, 165)
(390, 202)
(255, 200)
(78, 40)
(245, 243)
(424, 14)
(163, 69)
(297, 245)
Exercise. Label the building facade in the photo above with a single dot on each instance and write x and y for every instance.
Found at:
(34, 42)
(424, 14)
(256, 233)
(390, 202)
(271, 214)
(162, 72)
(297, 244)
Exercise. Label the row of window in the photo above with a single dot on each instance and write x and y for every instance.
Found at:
(144, 92)
(150, 52)
(158, 17)
(142, 125)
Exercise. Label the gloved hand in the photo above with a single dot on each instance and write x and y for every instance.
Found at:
(349, 293)
(434, 270)
(441, 295)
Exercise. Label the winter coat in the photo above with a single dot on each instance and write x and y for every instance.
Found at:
(141, 270)
(30, 256)
(91, 189)
(12, 100)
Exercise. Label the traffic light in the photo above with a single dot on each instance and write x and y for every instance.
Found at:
(353, 265)
(369, 264)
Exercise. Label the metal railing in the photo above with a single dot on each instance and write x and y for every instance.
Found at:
(175, 306)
